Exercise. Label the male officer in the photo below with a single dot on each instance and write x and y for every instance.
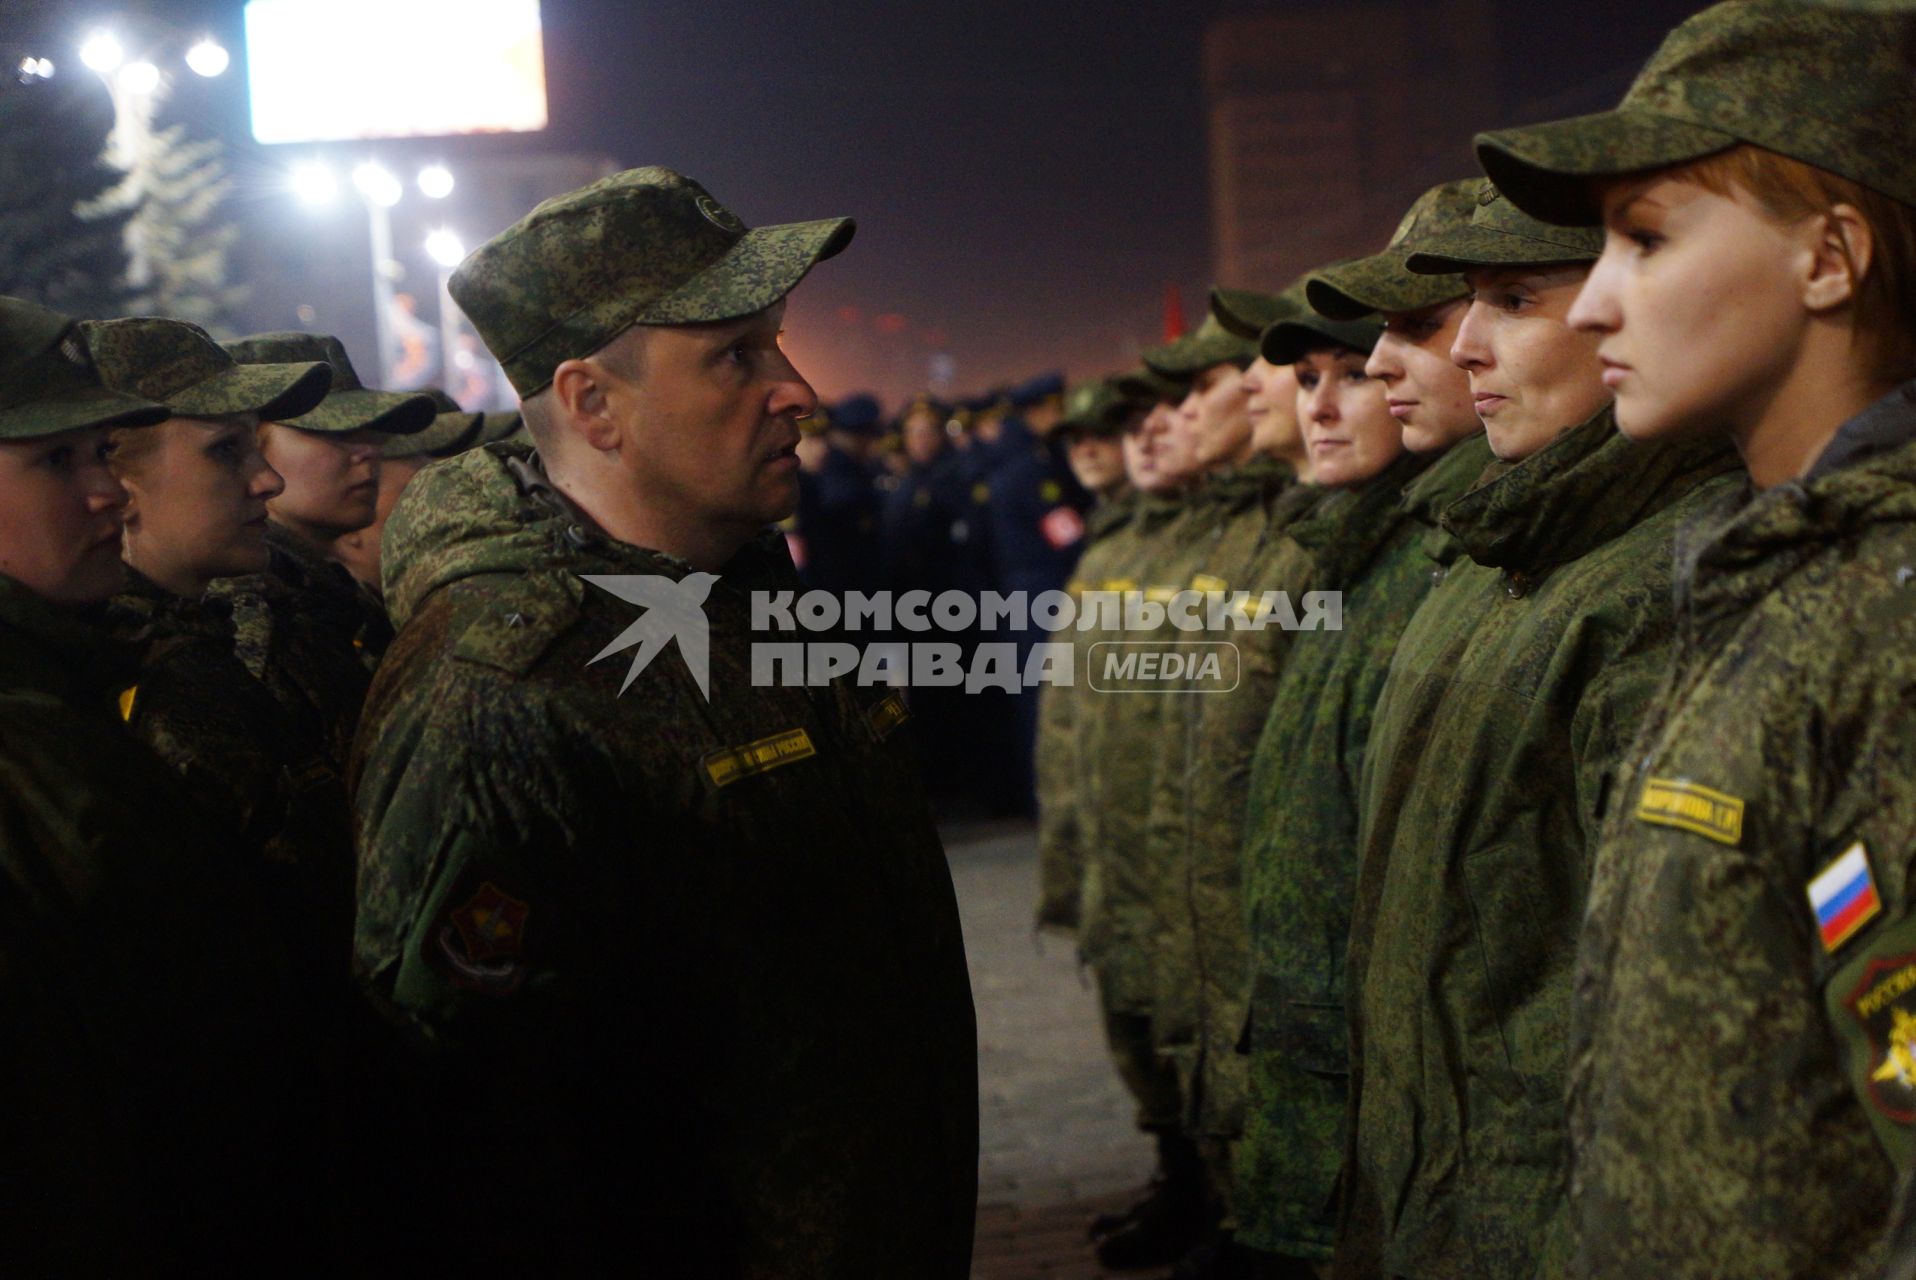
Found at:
(689, 952)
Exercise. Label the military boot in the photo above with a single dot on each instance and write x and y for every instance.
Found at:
(1170, 1219)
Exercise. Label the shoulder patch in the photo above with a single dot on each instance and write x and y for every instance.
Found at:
(513, 626)
(1704, 811)
(479, 941)
(734, 763)
(1871, 1004)
(889, 712)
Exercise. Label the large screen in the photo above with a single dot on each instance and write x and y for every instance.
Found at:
(338, 70)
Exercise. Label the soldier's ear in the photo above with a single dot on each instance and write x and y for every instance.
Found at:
(580, 395)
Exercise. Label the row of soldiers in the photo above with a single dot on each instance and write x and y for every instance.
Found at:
(1551, 916)
(356, 916)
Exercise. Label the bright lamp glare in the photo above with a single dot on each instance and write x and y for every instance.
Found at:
(313, 183)
(140, 77)
(377, 184)
(435, 181)
(101, 52)
(36, 68)
(207, 58)
(445, 248)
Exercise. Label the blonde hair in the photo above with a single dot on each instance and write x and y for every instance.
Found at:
(1790, 190)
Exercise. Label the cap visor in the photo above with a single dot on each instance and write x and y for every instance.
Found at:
(1288, 341)
(1181, 360)
(1377, 283)
(1545, 169)
(494, 427)
(363, 409)
(77, 410)
(762, 267)
(1246, 313)
(273, 391)
(448, 432)
(1466, 248)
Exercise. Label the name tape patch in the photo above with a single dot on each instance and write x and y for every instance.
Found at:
(728, 766)
(1689, 807)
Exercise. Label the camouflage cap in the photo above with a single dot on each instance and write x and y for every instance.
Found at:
(1825, 84)
(47, 381)
(1248, 314)
(1096, 407)
(1287, 341)
(180, 365)
(1499, 234)
(1381, 282)
(1207, 345)
(453, 431)
(1147, 386)
(646, 246)
(448, 433)
(349, 405)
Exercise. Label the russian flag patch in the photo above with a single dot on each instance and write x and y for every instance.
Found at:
(1844, 897)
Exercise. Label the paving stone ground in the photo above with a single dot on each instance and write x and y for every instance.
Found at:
(1056, 1135)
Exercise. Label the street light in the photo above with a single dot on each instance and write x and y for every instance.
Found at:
(207, 58)
(445, 248)
(140, 78)
(102, 52)
(313, 183)
(36, 68)
(377, 184)
(435, 182)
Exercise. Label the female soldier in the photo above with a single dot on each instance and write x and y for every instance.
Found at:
(1511, 697)
(1743, 1072)
(197, 494)
(147, 1060)
(1367, 542)
(329, 460)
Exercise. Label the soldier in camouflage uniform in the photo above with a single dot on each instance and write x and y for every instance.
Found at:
(305, 627)
(401, 457)
(1300, 839)
(147, 1066)
(1096, 418)
(686, 950)
(1743, 1050)
(1511, 698)
(1120, 747)
(197, 491)
(1204, 734)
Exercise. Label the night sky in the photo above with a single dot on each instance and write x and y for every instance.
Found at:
(1028, 177)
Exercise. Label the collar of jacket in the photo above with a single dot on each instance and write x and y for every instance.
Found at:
(1346, 530)
(146, 611)
(52, 649)
(1741, 546)
(1586, 487)
(1455, 472)
(1235, 488)
(1111, 514)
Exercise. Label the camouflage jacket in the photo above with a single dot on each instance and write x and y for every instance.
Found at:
(696, 957)
(1300, 845)
(1198, 948)
(1743, 1051)
(307, 632)
(1112, 542)
(1510, 700)
(264, 775)
(1119, 745)
(151, 1071)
